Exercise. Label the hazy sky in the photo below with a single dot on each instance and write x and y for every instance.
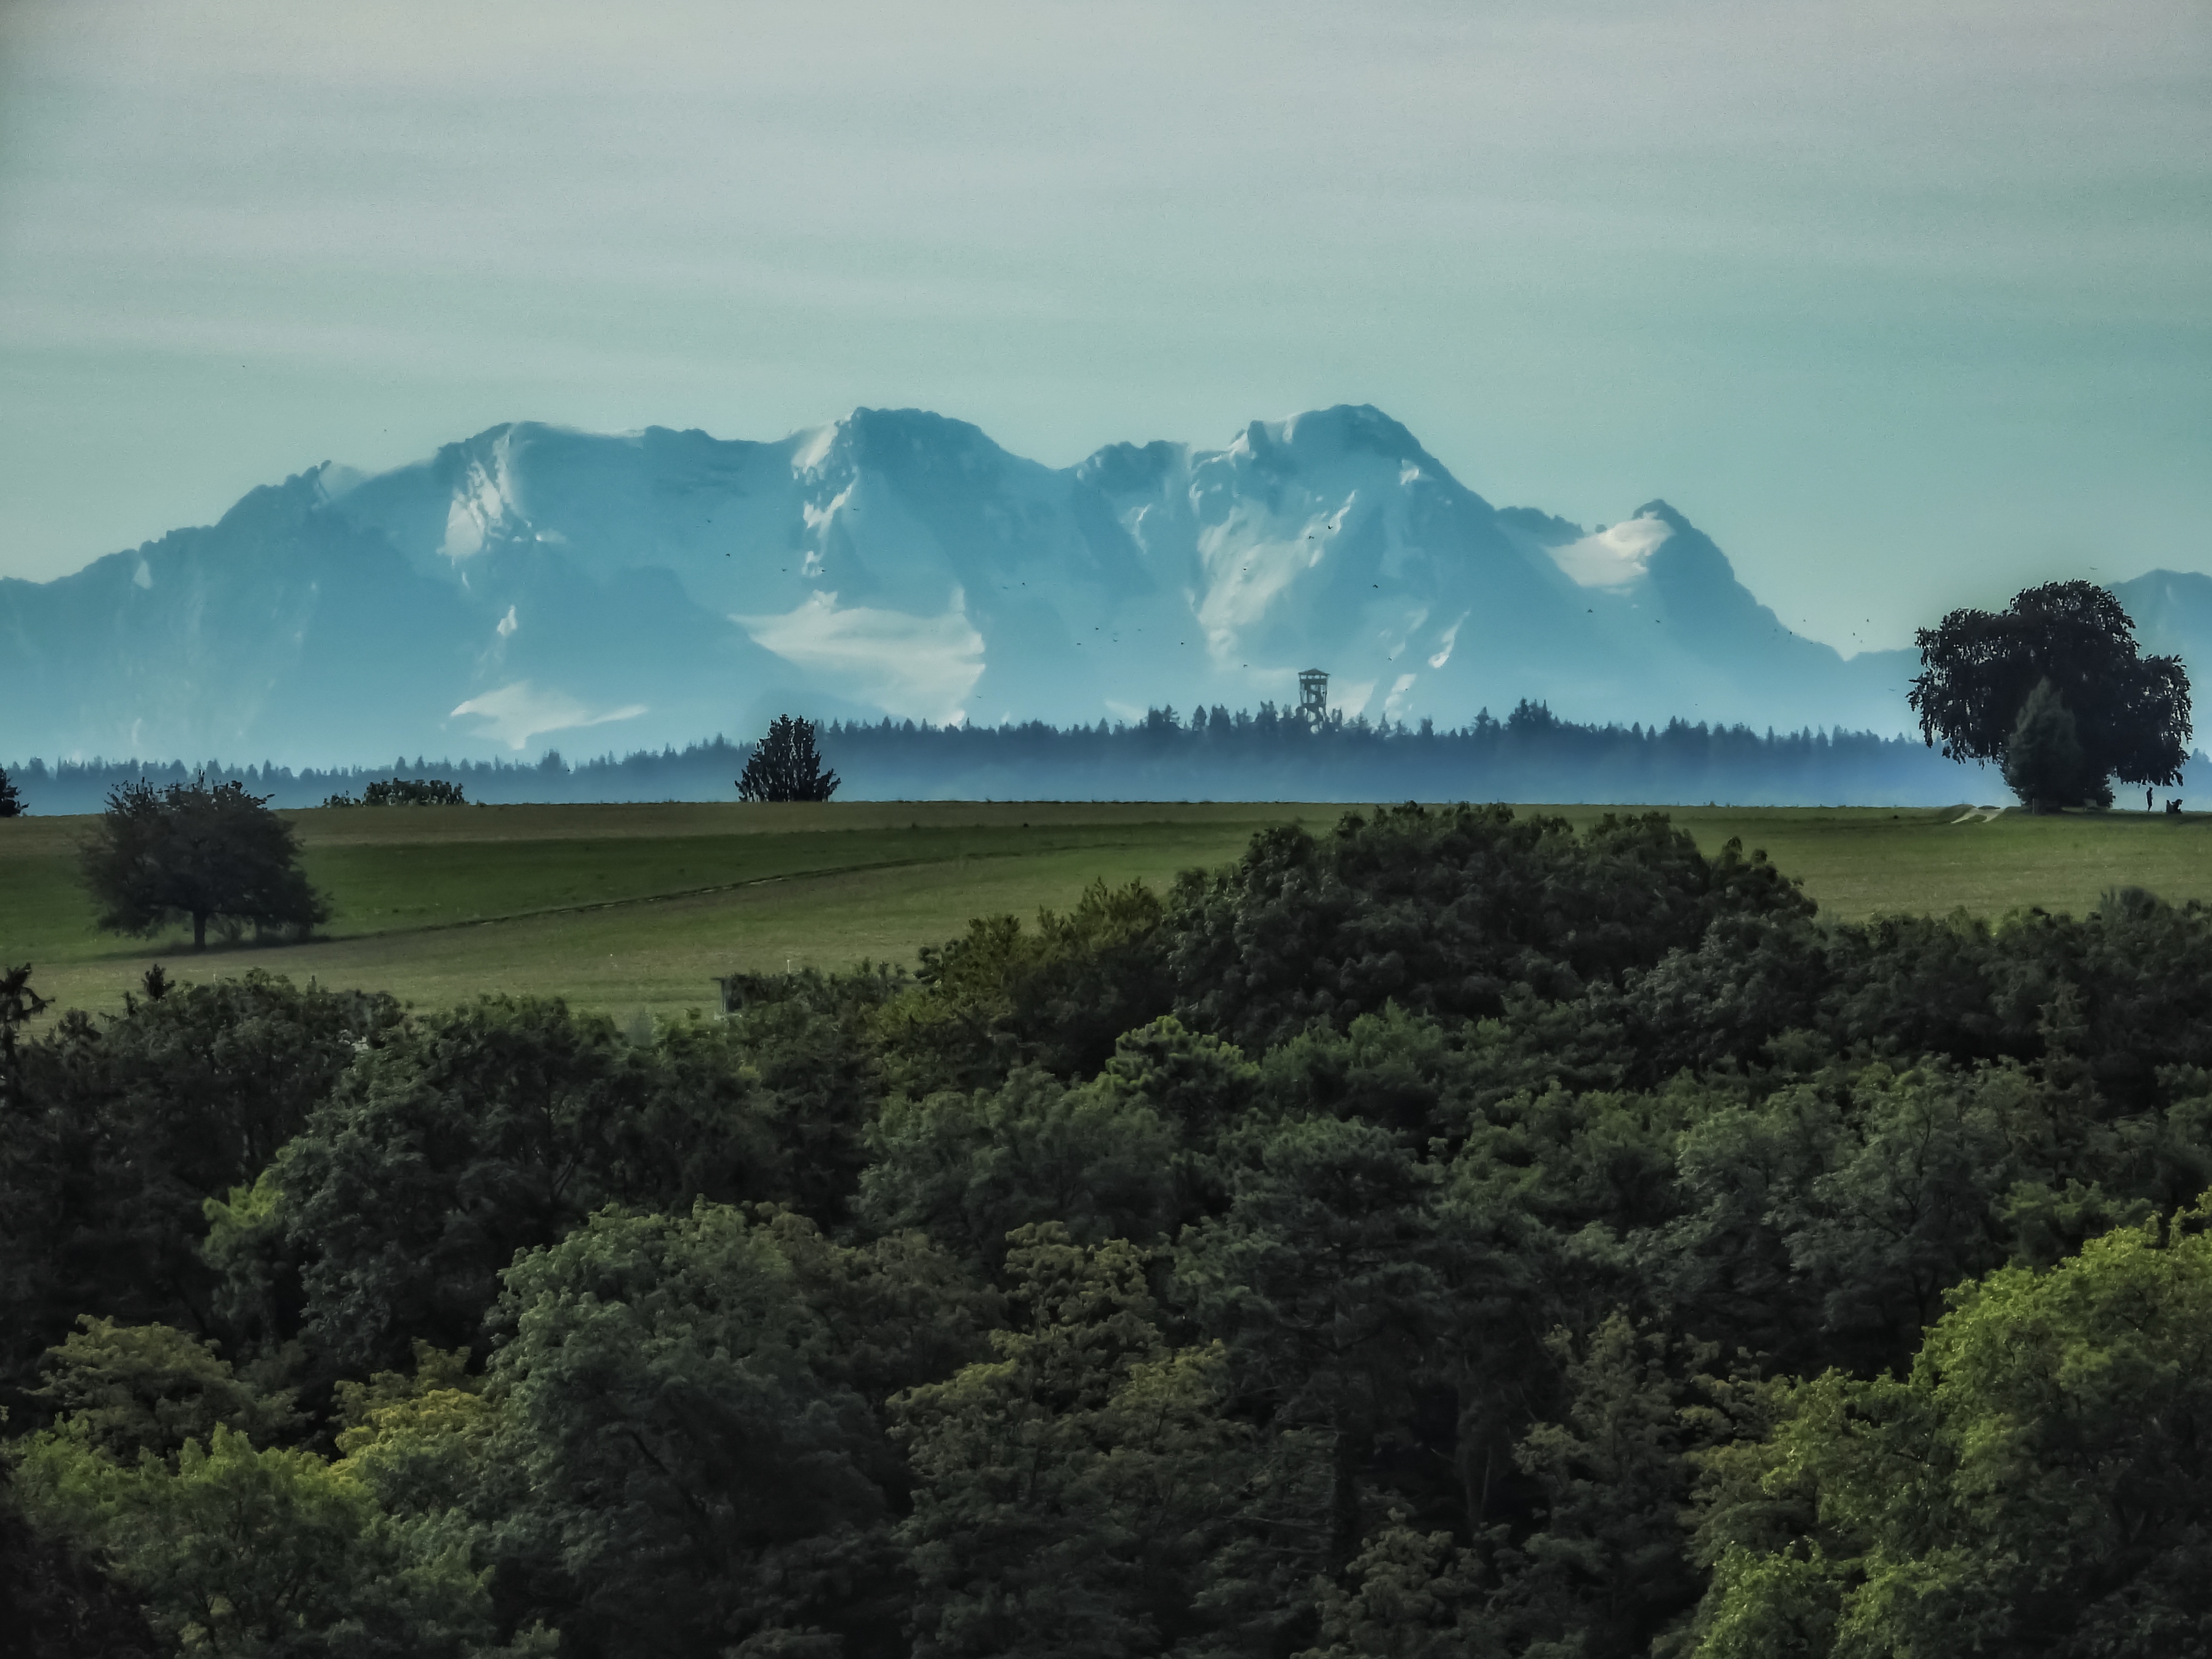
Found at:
(1906, 304)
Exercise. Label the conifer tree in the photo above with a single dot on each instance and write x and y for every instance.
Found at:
(2044, 764)
(785, 766)
(19, 1006)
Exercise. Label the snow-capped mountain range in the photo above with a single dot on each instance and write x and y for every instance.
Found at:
(536, 586)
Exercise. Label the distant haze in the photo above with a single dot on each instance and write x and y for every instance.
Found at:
(534, 585)
(1906, 304)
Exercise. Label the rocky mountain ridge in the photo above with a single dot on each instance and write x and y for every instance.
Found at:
(534, 585)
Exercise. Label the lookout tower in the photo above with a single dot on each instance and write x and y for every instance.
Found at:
(1312, 695)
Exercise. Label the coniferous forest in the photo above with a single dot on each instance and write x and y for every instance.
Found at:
(1207, 754)
(1452, 1234)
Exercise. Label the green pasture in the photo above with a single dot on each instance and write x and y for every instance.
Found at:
(633, 908)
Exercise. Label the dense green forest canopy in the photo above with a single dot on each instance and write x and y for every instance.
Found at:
(1449, 1235)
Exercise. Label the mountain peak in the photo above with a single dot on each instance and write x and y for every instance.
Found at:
(1657, 508)
(1125, 468)
(1339, 430)
(915, 428)
(899, 439)
(275, 508)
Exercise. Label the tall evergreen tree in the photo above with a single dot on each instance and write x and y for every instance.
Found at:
(11, 802)
(785, 766)
(2043, 761)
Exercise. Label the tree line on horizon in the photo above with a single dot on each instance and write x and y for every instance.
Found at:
(1218, 753)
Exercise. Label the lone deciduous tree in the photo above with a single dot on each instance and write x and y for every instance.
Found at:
(785, 765)
(1979, 670)
(197, 851)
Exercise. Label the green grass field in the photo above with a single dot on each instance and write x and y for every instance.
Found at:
(634, 909)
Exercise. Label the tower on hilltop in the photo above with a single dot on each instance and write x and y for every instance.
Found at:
(1312, 695)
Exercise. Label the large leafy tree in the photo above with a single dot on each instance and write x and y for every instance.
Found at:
(1443, 913)
(235, 1550)
(196, 851)
(806, 1037)
(1075, 1494)
(676, 1451)
(1329, 1280)
(467, 1136)
(114, 1133)
(158, 1466)
(699, 1475)
(1058, 997)
(2039, 1482)
(785, 766)
(1980, 669)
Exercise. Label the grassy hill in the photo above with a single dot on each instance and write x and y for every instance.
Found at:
(633, 908)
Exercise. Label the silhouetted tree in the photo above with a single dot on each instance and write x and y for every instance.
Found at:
(414, 792)
(1978, 670)
(197, 851)
(785, 765)
(11, 803)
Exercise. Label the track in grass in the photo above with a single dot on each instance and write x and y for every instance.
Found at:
(633, 908)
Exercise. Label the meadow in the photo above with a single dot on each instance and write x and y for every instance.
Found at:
(632, 909)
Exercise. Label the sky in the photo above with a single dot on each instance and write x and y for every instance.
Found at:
(1907, 305)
